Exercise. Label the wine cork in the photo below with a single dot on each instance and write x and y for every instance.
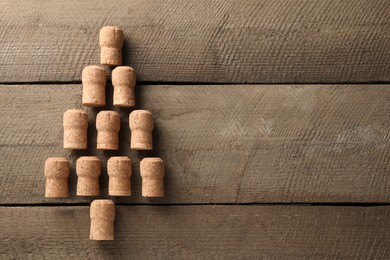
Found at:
(119, 170)
(152, 173)
(88, 171)
(75, 129)
(94, 86)
(123, 81)
(102, 213)
(108, 124)
(57, 172)
(141, 125)
(111, 42)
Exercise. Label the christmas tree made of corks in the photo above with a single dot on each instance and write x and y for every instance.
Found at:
(119, 168)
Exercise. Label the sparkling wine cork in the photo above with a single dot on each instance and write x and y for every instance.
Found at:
(57, 172)
(119, 170)
(111, 42)
(75, 129)
(152, 173)
(88, 171)
(94, 86)
(141, 125)
(102, 213)
(123, 81)
(108, 124)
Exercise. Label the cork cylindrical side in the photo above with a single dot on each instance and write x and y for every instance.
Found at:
(111, 43)
(88, 170)
(152, 172)
(57, 172)
(123, 81)
(141, 140)
(119, 170)
(75, 123)
(108, 126)
(107, 141)
(102, 214)
(141, 125)
(94, 86)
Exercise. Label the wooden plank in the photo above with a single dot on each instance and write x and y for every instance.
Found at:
(194, 232)
(267, 41)
(221, 144)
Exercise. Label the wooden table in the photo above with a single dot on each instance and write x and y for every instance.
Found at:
(272, 117)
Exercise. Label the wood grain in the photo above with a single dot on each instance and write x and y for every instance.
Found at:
(194, 232)
(220, 144)
(266, 41)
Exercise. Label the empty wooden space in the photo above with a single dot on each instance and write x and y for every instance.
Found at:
(272, 118)
(194, 232)
(201, 41)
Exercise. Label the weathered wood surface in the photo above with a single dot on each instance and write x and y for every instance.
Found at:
(277, 41)
(194, 232)
(221, 144)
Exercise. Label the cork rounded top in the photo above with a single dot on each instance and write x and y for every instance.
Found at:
(76, 118)
(88, 166)
(152, 168)
(94, 74)
(141, 119)
(56, 159)
(102, 202)
(119, 166)
(109, 121)
(123, 75)
(119, 159)
(89, 158)
(111, 36)
(102, 209)
(57, 167)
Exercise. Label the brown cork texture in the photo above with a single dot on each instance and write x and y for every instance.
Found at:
(57, 172)
(123, 81)
(108, 124)
(141, 125)
(102, 213)
(88, 170)
(152, 172)
(111, 42)
(75, 129)
(119, 170)
(94, 86)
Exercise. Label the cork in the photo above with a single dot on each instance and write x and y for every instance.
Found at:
(108, 124)
(141, 125)
(88, 171)
(94, 86)
(75, 129)
(102, 213)
(111, 43)
(57, 171)
(123, 81)
(119, 170)
(152, 173)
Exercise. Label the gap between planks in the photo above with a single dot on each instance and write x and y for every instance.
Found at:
(325, 204)
(179, 83)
